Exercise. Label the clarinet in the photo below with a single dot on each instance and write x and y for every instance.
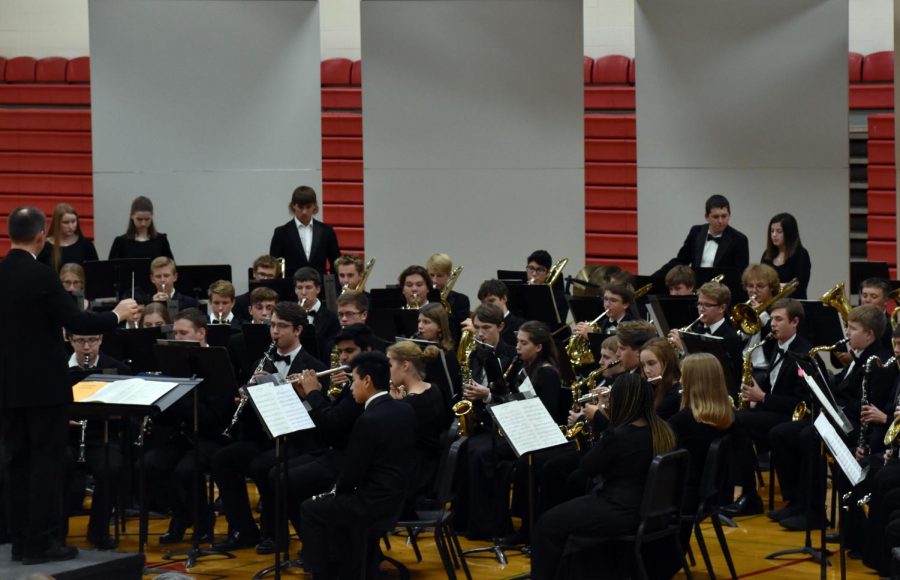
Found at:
(863, 442)
(82, 437)
(267, 356)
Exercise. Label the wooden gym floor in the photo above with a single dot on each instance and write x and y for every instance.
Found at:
(755, 537)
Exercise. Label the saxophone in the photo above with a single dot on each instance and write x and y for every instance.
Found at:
(334, 391)
(464, 408)
(747, 369)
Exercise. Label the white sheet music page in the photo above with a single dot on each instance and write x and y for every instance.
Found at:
(527, 389)
(841, 453)
(823, 400)
(528, 426)
(281, 409)
(136, 391)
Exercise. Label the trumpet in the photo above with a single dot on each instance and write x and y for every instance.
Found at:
(746, 317)
(267, 356)
(414, 305)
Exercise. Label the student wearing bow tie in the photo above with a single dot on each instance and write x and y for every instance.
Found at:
(769, 401)
(308, 286)
(713, 244)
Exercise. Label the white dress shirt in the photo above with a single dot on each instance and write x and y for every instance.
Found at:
(306, 235)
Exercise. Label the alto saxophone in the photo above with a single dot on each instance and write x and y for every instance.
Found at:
(747, 369)
(464, 409)
(334, 391)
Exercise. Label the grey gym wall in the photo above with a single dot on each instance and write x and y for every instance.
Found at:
(212, 109)
(473, 133)
(746, 99)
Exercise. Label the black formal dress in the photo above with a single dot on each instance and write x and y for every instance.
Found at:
(124, 247)
(370, 489)
(797, 266)
(620, 459)
(733, 251)
(78, 253)
(670, 403)
(35, 393)
(432, 421)
(286, 244)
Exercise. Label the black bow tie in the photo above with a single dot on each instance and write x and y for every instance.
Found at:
(286, 359)
(712, 238)
(702, 329)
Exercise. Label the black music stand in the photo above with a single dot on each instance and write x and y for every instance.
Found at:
(195, 280)
(715, 346)
(106, 278)
(512, 276)
(389, 323)
(536, 302)
(860, 271)
(821, 324)
(103, 411)
(220, 334)
(214, 368)
(134, 346)
(256, 339)
(283, 286)
(819, 451)
(672, 312)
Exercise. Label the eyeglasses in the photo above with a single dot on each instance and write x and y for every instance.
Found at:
(533, 270)
(350, 314)
(83, 341)
(707, 305)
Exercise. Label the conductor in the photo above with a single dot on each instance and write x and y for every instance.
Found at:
(34, 387)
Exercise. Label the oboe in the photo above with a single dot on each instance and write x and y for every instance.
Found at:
(267, 356)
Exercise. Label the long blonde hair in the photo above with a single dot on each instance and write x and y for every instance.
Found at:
(704, 392)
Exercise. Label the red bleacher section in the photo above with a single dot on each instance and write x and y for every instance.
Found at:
(45, 147)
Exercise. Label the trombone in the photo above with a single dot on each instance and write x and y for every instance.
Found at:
(361, 285)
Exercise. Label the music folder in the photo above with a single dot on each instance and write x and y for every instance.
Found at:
(280, 410)
(106, 278)
(535, 302)
(714, 345)
(672, 312)
(134, 346)
(527, 426)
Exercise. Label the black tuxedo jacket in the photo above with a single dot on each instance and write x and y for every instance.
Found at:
(789, 388)
(511, 325)
(286, 244)
(379, 463)
(733, 252)
(326, 327)
(334, 419)
(732, 346)
(848, 385)
(34, 308)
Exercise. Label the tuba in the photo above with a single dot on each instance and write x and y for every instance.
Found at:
(837, 299)
(746, 317)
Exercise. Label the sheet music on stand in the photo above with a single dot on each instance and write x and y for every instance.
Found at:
(528, 426)
(839, 450)
(836, 415)
(133, 391)
(279, 408)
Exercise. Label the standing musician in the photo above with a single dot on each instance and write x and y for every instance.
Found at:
(415, 284)
(681, 281)
(621, 458)
(92, 453)
(439, 267)
(308, 286)
(768, 402)
(305, 241)
(141, 240)
(252, 454)
(713, 244)
(793, 440)
(66, 244)
(264, 268)
(170, 462)
(35, 390)
(443, 369)
(371, 486)
(786, 253)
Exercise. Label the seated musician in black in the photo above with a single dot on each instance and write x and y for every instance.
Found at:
(163, 275)
(432, 419)
(769, 400)
(349, 272)
(537, 270)
(252, 453)
(621, 459)
(712, 307)
(488, 363)
(872, 291)
(443, 369)
(170, 463)
(153, 315)
(680, 281)
(262, 303)
(659, 367)
(792, 440)
(87, 357)
(220, 304)
(616, 300)
(264, 268)
(439, 267)
(371, 486)
(496, 292)
(308, 286)
(416, 285)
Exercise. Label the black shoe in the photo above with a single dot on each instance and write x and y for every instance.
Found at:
(786, 512)
(265, 546)
(746, 505)
(175, 535)
(237, 541)
(55, 553)
(800, 523)
(104, 543)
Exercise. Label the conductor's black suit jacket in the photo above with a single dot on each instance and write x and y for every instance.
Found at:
(733, 250)
(286, 244)
(34, 308)
(378, 463)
